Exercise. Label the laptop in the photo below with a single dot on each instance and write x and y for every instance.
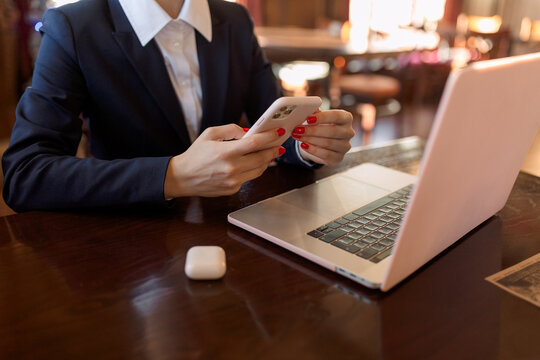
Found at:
(376, 225)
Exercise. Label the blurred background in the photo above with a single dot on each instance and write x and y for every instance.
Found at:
(386, 61)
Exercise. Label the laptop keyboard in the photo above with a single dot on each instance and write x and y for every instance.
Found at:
(370, 231)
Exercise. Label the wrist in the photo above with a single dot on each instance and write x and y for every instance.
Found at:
(172, 187)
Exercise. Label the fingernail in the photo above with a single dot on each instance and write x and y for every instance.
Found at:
(294, 136)
(281, 131)
(274, 159)
(281, 151)
(300, 129)
(311, 119)
(304, 146)
(246, 129)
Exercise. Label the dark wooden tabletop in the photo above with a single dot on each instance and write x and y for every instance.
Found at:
(110, 284)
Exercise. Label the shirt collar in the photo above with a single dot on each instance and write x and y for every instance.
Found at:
(148, 18)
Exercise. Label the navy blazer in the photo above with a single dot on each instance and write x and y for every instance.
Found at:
(91, 62)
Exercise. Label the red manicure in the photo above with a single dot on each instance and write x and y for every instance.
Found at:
(296, 136)
(300, 129)
(281, 131)
(246, 129)
(304, 146)
(311, 119)
(281, 151)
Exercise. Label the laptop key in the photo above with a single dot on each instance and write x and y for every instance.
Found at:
(331, 236)
(370, 227)
(369, 239)
(378, 247)
(377, 235)
(393, 226)
(344, 240)
(322, 228)
(382, 255)
(351, 217)
(386, 242)
(315, 233)
(341, 221)
(372, 206)
(362, 231)
(355, 235)
(340, 244)
(333, 225)
(378, 223)
(360, 244)
(367, 253)
(385, 230)
(355, 247)
(354, 224)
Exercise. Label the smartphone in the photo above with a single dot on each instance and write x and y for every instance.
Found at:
(286, 112)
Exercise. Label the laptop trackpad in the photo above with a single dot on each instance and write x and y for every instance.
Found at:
(333, 197)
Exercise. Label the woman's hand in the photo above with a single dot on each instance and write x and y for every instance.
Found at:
(327, 136)
(213, 166)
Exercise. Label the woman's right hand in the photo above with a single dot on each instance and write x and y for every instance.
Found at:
(215, 167)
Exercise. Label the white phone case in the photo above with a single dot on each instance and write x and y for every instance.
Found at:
(286, 113)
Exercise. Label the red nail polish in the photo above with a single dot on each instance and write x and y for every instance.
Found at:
(300, 130)
(281, 151)
(274, 159)
(311, 119)
(294, 136)
(246, 129)
(304, 146)
(281, 131)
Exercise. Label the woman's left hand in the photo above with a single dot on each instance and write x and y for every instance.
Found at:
(326, 137)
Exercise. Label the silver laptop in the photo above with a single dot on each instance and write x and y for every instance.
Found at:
(376, 225)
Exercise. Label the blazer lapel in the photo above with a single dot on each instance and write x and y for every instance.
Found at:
(214, 65)
(150, 66)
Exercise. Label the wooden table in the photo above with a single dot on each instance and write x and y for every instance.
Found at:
(110, 285)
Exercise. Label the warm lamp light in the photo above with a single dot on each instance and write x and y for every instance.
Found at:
(525, 29)
(535, 31)
(345, 32)
(295, 76)
(484, 24)
(359, 19)
(427, 11)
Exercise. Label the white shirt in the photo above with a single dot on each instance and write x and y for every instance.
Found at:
(176, 41)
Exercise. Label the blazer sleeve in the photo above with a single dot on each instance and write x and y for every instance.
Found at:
(40, 167)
